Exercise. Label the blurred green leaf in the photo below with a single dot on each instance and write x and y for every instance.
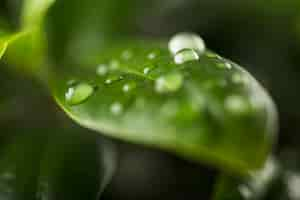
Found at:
(208, 110)
(28, 52)
(19, 165)
(54, 165)
(6, 39)
(256, 186)
(34, 11)
(75, 26)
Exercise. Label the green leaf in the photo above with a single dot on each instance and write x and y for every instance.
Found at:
(86, 26)
(58, 164)
(76, 166)
(258, 185)
(28, 50)
(6, 39)
(20, 156)
(34, 12)
(208, 110)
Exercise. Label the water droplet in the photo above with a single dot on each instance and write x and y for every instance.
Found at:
(186, 41)
(168, 83)
(128, 86)
(108, 81)
(112, 79)
(151, 56)
(237, 104)
(146, 70)
(185, 55)
(126, 55)
(102, 70)
(79, 93)
(114, 65)
(116, 108)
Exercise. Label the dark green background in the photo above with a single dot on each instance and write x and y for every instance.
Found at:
(262, 36)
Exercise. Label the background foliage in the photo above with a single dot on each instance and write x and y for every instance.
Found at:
(263, 37)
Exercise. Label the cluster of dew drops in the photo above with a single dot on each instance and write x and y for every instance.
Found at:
(185, 47)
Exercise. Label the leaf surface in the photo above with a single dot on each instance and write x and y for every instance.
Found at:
(207, 110)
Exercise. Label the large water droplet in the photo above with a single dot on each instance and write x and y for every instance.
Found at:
(185, 55)
(102, 70)
(78, 93)
(168, 83)
(186, 41)
(116, 108)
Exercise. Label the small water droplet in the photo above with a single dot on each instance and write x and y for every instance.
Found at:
(112, 79)
(114, 65)
(169, 83)
(186, 41)
(116, 108)
(185, 55)
(108, 81)
(126, 55)
(146, 70)
(151, 56)
(128, 86)
(102, 69)
(78, 93)
(237, 104)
